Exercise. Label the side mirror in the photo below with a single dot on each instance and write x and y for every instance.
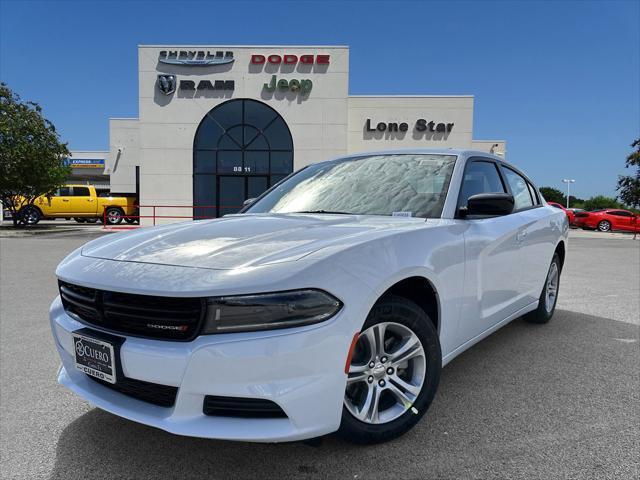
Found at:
(489, 204)
(248, 202)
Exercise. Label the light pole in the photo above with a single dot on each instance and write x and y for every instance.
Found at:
(568, 181)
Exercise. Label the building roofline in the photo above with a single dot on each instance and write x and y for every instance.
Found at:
(411, 96)
(239, 46)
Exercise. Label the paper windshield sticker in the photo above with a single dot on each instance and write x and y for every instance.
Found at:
(401, 214)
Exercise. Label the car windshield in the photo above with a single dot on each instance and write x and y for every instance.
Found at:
(411, 185)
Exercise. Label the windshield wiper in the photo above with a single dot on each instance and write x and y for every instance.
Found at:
(324, 211)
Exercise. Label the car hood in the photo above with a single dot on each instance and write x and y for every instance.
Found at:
(243, 240)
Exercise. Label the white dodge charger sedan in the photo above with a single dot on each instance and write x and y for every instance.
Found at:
(331, 303)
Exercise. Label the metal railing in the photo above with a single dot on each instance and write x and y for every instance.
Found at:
(156, 213)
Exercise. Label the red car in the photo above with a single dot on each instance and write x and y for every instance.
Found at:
(570, 214)
(608, 219)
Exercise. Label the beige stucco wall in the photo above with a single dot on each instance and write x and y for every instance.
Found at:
(124, 154)
(497, 147)
(408, 109)
(168, 123)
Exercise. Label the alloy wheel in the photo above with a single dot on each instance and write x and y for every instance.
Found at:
(31, 216)
(551, 289)
(604, 226)
(386, 374)
(113, 216)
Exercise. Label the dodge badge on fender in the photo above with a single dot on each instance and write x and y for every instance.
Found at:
(330, 303)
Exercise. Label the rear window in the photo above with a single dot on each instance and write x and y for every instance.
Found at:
(534, 195)
(81, 192)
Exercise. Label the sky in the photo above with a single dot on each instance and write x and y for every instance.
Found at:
(559, 81)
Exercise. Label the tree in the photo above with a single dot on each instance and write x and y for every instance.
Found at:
(551, 194)
(600, 201)
(629, 185)
(31, 154)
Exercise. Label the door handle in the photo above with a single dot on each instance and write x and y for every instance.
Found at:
(521, 236)
(65, 199)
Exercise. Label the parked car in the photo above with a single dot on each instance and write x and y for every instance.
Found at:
(329, 304)
(608, 219)
(570, 214)
(82, 203)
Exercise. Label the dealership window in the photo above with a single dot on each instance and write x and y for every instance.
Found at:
(241, 148)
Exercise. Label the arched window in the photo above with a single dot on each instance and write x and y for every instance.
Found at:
(241, 148)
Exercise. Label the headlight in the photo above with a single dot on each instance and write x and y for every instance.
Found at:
(268, 311)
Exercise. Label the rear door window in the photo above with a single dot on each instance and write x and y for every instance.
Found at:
(81, 192)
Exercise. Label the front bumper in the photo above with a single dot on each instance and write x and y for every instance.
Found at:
(301, 370)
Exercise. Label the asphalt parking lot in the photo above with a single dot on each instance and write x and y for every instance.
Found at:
(554, 401)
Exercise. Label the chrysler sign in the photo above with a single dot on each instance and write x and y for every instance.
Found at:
(195, 57)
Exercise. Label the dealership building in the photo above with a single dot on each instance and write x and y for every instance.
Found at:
(220, 124)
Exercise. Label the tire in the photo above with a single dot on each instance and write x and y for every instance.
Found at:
(399, 407)
(604, 226)
(79, 220)
(133, 218)
(30, 215)
(547, 305)
(113, 216)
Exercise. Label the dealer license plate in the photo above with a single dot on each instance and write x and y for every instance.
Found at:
(95, 357)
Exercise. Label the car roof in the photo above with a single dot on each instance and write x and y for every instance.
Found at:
(424, 151)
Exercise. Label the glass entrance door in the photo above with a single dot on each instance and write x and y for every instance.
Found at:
(241, 148)
(234, 190)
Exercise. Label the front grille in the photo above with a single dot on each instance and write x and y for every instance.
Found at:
(162, 395)
(241, 407)
(167, 318)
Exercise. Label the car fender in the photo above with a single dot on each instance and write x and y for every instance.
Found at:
(381, 263)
